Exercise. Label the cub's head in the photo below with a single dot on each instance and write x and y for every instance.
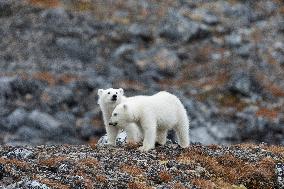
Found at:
(120, 115)
(110, 96)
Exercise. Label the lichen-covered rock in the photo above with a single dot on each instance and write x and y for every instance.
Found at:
(84, 166)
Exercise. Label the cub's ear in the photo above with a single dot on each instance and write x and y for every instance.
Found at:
(121, 91)
(125, 107)
(100, 92)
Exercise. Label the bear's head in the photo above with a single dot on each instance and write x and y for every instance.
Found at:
(110, 96)
(120, 115)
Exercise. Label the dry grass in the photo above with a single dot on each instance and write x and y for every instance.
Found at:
(53, 184)
(202, 183)
(270, 114)
(53, 161)
(101, 178)
(132, 170)
(231, 170)
(89, 162)
(45, 77)
(165, 176)
(138, 185)
(45, 3)
(18, 163)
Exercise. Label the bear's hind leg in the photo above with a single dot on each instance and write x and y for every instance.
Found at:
(182, 133)
(162, 136)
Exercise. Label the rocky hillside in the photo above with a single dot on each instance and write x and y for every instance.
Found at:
(60, 167)
(224, 59)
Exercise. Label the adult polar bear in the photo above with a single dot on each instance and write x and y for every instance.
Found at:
(108, 100)
(155, 114)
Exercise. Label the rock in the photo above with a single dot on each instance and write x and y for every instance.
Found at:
(57, 95)
(120, 139)
(178, 27)
(280, 174)
(233, 40)
(2, 171)
(16, 119)
(167, 61)
(55, 16)
(163, 60)
(241, 83)
(28, 134)
(202, 135)
(224, 131)
(125, 52)
(65, 117)
(5, 9)
(141, 30)
(75, 48)
(87, 131)
(28, 184)
(5, 86)
(20, 153)
(43, 121)
(244, 50)
(26, 86)
(206, 16)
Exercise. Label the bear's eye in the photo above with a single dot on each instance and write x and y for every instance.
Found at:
(115, 92)
(115, 114)
(108, 93)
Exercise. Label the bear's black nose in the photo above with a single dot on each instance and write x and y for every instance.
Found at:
(114, 98)
(113, 124)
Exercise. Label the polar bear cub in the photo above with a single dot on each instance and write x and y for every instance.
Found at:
(108, 100)
(155, 115)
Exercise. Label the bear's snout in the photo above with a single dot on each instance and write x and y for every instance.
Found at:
(114, 98)
(113, 124)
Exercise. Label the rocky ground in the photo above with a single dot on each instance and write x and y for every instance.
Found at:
(224, 59)
(83, 166)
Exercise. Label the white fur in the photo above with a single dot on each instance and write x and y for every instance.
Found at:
(107, 105)
(155, 115)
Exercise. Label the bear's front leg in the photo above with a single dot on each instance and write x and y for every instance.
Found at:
(111, 134)
(149, 129)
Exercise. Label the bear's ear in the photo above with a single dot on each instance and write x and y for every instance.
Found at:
(100, 92)
(125, 107)
(121, 91)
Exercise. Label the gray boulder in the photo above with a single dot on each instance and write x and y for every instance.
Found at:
(201, 135)
(20, 153)
(5, 9)
(178, 27)
(5, 86)
(57, 95)
(16, 119)
(241, 83)
(43, 121)
(141, 30)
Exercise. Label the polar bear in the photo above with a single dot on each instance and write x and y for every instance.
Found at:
(155, 115)
(108, 100)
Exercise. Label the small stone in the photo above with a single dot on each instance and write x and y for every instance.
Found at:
(20, 153)
(241, 83)
(141, 31)
(233, 40)
(5, 9)
(167, 61)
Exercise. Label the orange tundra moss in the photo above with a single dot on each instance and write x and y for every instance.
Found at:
(138, 185)
(132, 170)
(232, 170)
